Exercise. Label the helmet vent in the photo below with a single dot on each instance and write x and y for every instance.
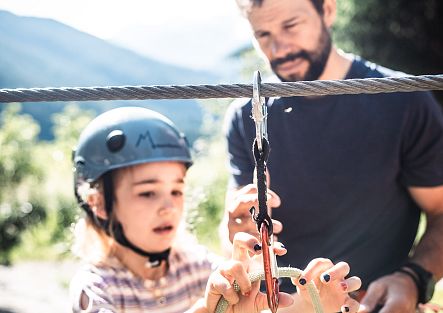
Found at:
(115, 140)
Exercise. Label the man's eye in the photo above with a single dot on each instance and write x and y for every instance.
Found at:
(289, 26)
(261, 35)
(147, 194)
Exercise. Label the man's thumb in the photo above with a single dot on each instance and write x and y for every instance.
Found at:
(372, 298)
(284, 300)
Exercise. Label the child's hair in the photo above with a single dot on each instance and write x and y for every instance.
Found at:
(115, 140)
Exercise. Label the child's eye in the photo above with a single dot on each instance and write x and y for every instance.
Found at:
(147, 194)
(177, 193)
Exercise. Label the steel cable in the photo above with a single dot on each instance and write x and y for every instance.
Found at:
(284, 89)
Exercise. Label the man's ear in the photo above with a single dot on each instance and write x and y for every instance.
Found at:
(97, 203)
(329, 12)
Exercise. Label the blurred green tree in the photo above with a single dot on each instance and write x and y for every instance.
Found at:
(68, 125)
(53, 193)
(18, 171)
(400, 34)
(207, 178)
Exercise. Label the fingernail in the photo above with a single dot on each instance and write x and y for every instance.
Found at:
(344, 285)
(257, 247)
(326, 277)
(302, 281)
(247, 294)
(346, 308)
(282, 246)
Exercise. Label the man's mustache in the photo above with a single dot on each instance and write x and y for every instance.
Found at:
(289, 57)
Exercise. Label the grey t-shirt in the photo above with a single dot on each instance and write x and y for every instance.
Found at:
(342, 166)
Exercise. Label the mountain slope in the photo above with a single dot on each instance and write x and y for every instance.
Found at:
(36, 52)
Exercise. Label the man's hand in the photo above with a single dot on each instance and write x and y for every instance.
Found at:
(238, 205)
(395, 293)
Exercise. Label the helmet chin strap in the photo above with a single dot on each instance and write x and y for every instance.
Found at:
(154, 259)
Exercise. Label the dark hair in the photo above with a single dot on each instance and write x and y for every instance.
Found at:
(244, 5)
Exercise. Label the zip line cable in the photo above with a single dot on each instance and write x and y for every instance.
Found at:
(283, 89)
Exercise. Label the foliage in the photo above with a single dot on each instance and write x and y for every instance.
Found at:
(14, 220)
(68, 125)
(19, 208)
(17, 137)
(207, 178)
(50, 237)
(403, 34)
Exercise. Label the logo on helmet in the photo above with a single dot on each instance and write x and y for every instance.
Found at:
(154, 145)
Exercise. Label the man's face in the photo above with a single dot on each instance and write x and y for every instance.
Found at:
(293, 37)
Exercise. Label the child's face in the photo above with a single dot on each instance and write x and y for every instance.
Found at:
(149, 203)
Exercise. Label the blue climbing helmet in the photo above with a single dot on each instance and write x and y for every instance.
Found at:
(127, 136)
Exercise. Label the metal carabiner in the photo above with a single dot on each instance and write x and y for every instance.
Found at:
(262, 219)
(259, 111)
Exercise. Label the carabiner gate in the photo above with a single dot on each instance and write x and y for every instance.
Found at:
(270, 268)
(259, 111)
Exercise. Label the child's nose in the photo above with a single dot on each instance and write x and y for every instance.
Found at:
(167, 206)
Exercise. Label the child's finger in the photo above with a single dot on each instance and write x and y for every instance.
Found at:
(351, 284)
(313, 271)
(336, 272)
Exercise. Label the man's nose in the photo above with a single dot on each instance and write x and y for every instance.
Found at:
(279, 47)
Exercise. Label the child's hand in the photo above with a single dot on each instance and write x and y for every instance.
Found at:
(249, 299)
(331, 284)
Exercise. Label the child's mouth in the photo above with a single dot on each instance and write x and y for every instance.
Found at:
(163, 229)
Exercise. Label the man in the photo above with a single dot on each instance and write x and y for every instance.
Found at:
(353, 172)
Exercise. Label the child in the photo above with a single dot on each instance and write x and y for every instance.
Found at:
(130, 165)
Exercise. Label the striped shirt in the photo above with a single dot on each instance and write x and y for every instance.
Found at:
(113, 288)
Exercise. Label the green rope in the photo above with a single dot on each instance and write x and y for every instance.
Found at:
(288, 272)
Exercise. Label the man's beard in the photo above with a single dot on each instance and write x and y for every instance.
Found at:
(316, 59)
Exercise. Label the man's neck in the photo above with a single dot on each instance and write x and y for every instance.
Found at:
(337, 66)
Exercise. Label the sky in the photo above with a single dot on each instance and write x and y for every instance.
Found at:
(204, 31)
